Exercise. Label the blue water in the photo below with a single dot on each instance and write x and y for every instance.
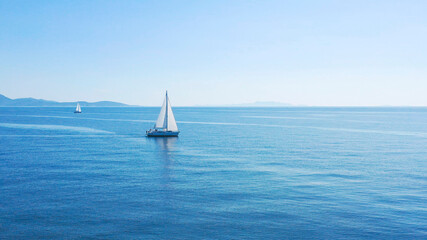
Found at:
(233, 173)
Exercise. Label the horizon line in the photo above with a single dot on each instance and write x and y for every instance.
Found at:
(231, 105)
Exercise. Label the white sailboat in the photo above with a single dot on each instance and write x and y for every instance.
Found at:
(78, 109)
(165, 125)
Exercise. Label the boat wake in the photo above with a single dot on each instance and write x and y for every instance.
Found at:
(54, 127)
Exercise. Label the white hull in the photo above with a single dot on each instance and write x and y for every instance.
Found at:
(157, 133)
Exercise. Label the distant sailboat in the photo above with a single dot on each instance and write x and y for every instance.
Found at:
(165, 125)
(78, 109)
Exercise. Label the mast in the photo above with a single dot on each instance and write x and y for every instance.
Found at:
(166, 116)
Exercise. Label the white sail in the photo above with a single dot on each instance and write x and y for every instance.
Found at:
(171, 119)
(78, 109)
(161, 123)
(166, 120)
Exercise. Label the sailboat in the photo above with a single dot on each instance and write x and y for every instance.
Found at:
(78, 109)
(165, 125)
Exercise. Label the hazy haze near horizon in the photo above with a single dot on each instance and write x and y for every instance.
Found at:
(216, 53)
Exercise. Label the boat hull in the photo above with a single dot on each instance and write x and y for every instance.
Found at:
(162, 134)
(77, 112)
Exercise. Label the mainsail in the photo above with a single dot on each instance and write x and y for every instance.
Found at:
(166, 120)
(78, 109)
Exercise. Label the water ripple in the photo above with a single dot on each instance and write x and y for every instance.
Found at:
(53, 127)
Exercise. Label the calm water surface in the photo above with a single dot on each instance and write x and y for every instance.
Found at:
(233, 173)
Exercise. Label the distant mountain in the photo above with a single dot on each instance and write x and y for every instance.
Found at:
(32, 102)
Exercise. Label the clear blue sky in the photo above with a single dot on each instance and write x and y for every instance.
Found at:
(216, 52)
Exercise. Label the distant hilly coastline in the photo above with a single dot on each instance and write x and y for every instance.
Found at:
(32, 102)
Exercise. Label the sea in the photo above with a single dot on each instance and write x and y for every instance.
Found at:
(233, 173)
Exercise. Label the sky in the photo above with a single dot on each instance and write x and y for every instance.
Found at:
(315, 53)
